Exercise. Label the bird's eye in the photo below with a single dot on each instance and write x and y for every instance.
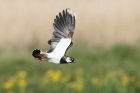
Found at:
(72, 59)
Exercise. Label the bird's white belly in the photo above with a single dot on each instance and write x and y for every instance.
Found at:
(54, 58)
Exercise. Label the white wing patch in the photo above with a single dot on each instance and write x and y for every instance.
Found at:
(62, 46)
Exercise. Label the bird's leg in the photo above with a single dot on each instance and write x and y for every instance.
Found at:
(38, 59)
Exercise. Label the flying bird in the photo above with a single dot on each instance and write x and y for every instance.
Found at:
(64, 25)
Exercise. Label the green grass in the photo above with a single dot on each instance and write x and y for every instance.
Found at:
(98, 70)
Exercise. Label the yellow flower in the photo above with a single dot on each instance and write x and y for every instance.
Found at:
(10, 91)
(95, 81)
(125, 80)
(52, 75)
(22, 83)
(49, 73)
(77, 84)
(9, 83)
(21, 74)
(138, 83)
(48, 76)
(57, 76)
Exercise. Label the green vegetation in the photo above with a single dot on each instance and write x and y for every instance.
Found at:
(98, 70)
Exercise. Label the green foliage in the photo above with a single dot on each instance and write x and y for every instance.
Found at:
(98, 70)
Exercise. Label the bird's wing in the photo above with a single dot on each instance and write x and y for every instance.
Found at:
(55, 43)
(64, 26)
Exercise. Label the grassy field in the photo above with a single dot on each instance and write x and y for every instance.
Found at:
(98, 70)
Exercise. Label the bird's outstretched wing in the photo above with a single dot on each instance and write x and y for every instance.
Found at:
(64, 26)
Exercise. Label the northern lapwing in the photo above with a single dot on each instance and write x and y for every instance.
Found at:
(64, 26)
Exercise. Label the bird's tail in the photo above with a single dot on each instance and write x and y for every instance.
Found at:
(38, 54)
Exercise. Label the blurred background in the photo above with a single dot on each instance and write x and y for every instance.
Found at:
(106, 47)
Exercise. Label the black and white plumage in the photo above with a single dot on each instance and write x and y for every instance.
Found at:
(64, 26)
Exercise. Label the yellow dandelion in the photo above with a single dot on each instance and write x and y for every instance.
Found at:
(10, 91)
(52, 75)
(48, 76)
(125, 80)
(49, 73)
(138, 83)
(21, 74)
(57, 76)
(22, 83)
(9, 83)
(72, 84)
(77, 84)
(95, 81)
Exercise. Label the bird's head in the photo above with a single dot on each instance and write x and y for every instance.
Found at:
(66, 59)
(69, 59)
